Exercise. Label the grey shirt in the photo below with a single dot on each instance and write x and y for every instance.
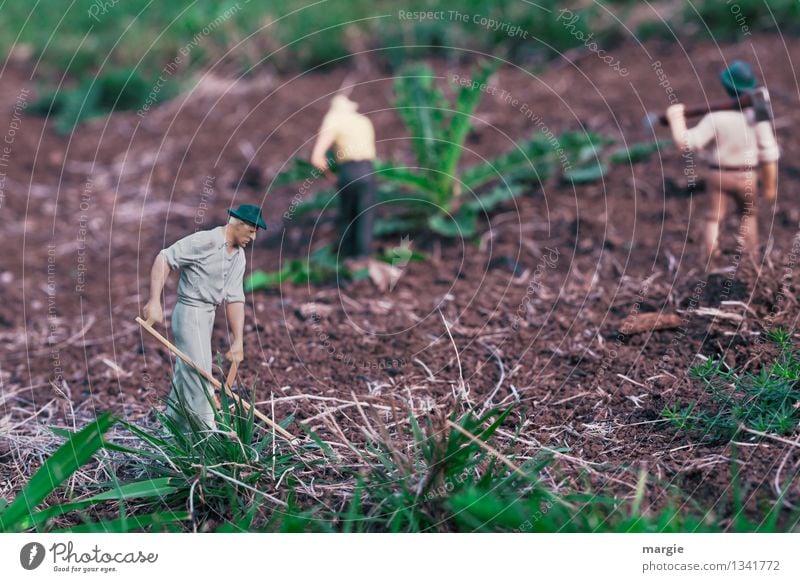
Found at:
(209, 274)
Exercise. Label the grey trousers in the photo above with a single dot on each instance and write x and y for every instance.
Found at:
(191, 328)
(356, 183)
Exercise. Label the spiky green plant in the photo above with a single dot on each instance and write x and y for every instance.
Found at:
(222, 475)
(766, 401)
(427, 190)
(445, 481)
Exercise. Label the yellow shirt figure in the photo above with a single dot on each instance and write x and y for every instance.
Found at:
(352, 138)
(350, 132)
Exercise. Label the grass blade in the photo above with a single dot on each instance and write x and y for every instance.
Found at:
(64, 462)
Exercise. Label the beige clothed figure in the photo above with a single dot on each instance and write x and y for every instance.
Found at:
(742, 142)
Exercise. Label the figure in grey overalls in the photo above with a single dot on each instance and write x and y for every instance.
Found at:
(211, 263)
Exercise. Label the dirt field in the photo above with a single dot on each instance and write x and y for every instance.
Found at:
(535, 308)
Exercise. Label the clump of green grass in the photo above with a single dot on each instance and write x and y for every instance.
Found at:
(430, 474)
(445, 481)
(766, 401)
(24, 513)
(223, 477)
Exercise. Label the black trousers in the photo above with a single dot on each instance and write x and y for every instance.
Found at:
(356, 182)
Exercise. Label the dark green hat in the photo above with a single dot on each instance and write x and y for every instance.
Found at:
(738, 78)
(249, 214)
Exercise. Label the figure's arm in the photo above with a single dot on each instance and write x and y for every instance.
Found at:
(159, 274)
(677, 125)
(769, 180)
(325, 140)
(234, 310)
(768, 155)
(689, 139)
(235, 313)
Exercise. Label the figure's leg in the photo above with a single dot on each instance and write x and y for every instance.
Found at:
(715, 214)
(190, 393)
(364, 224)
(750, 228)
(741, 187)
(348, 211)
(750, 214)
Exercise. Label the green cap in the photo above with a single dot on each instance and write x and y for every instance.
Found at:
(738, 78)
(249, 214)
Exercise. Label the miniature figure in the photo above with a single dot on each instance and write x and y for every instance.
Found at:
(212, 264)
(352, 137)
(743, 138)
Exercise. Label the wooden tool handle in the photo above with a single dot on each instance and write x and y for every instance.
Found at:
(167, 344)
(231, 375)
(746, 100)
(214, 382)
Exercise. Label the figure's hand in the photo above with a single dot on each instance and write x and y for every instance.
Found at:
(153, 313)
(676, 111)
(236, 353)
(320, 163)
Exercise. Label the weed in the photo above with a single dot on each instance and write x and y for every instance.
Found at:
(321, 266)
(766, 401)
(437, 474)
(22, 513)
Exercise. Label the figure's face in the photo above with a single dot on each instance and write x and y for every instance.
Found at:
(244, 234)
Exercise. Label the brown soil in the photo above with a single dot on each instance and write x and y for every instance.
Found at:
(539, 303)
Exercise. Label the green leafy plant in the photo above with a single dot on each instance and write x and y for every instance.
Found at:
(320, 267)
(765, 401)
(438, 129)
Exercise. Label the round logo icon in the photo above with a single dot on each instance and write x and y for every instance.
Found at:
(31, 556)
